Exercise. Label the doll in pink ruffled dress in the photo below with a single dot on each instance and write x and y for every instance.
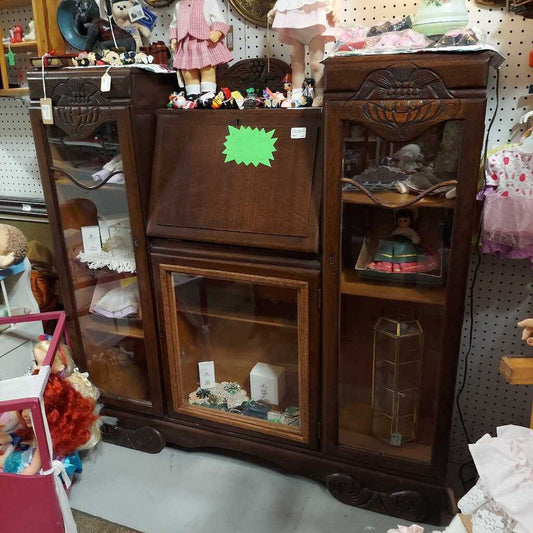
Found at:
(301, 23)
(197, 34)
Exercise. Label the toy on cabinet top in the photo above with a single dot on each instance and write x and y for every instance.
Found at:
(300, 23)
(402, 251)
(120, 10)
(13, 245)
(101, 34)
(30, 36)
(197, 31)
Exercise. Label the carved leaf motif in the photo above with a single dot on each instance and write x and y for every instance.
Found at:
(79, 121)
(406, 504)
(402, 81)
(255, 73)
(77, 92)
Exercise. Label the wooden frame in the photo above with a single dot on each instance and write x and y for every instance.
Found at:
(302, 281)
(358, 109)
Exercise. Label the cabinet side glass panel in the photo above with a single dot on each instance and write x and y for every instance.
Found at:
(95, 222)
(393, 288)
(238, 349)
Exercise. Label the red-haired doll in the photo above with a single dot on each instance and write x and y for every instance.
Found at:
(70, 417)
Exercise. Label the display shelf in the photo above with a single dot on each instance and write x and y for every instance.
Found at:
(356, 435)
(260, 319)
(14, 92)
(133, 327)
(21, 47)
(359, 198)
(12, 4)
(352, 285)
(517, 370)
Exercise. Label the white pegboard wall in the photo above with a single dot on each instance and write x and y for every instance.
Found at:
(503, 296)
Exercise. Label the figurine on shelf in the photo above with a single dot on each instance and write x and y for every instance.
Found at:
(196, 38)
(302, 23)
(402, 251)
(16, 34)
(30, 36)
(287, 86)
(409, 158)
(308, 94)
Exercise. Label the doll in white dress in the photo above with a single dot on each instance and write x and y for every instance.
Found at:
(301, 23)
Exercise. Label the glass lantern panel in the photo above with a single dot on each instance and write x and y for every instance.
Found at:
(393, 287)
(95, 221)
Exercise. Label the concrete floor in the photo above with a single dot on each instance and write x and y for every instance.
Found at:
(196, 492)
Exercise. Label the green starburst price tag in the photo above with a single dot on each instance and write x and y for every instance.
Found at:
(249, 146)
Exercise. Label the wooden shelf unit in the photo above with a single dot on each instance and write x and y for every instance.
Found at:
(351, 284)
(359, 198)
(47, 38)
(113, 326)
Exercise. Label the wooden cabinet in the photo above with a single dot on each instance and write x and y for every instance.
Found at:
(47, 38)
(350, 298)
(395, 265)
(251, 318)
(94, 163)
(201, 194)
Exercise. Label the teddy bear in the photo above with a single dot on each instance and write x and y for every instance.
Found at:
(120, 10)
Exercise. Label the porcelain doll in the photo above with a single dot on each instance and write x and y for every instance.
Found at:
(402, 251)
(197, 31)
(301, 23)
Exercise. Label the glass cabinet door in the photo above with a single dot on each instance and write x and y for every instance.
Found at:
(238, 349)
(393, 287)
(90, 184)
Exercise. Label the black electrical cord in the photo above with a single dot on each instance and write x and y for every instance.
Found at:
(472, 289)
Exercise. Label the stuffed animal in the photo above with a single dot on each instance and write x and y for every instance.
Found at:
(13, 245)
(99, 31)
(120, 10)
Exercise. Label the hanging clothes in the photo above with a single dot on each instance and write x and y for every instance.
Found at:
(508, 210)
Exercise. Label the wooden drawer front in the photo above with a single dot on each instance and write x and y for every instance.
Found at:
(456, 71)
(197, 194)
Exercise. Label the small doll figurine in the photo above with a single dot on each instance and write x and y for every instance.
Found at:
(308, 94)
(17, 34)
(402, 252)
(196, 38)
(302, 23)
(287, 85)
(409, 158)
(62, 364)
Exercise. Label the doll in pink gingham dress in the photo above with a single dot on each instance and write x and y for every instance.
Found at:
(196, 38)
(301, 23)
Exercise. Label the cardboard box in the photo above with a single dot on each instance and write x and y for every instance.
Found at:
(267, 382)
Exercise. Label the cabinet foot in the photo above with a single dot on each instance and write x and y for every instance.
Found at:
(406, 504)
(145, 439)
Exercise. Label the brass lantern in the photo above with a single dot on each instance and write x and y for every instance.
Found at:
(398, 348)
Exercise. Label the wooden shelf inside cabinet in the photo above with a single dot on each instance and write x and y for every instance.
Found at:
(359, 198)
(263, 320)
(113, 327)
(351, 284)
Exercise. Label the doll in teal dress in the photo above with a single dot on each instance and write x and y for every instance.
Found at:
(402, 251)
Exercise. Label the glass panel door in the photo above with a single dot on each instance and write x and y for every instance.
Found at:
(95, 221)
(240, 350)
(393, 287)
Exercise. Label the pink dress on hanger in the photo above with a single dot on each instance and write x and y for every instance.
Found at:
(302, 20)
(508, 208)
(191, 25)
